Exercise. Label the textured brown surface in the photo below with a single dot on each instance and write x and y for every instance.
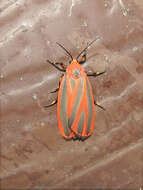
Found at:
(33, 153)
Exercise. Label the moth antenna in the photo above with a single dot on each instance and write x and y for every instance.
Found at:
(88, 45)
(65, 50)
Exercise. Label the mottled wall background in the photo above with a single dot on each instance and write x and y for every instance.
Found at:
(33, 153)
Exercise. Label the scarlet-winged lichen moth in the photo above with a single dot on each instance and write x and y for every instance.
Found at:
(75, 102)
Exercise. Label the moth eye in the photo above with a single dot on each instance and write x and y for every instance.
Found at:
(76, 73)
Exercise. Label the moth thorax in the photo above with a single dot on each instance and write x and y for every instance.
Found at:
(76, 73)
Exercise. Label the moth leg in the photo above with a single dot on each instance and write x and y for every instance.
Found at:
(97, 104)
(52, 91)
(55, 65)
(62, 65)
(55, 90)
(51, 104)
(94, 74)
